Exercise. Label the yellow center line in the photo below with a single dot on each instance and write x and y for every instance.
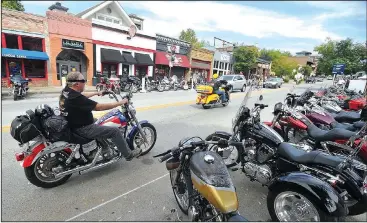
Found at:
(160, 106)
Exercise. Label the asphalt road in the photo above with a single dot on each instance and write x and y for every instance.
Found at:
(138, 190)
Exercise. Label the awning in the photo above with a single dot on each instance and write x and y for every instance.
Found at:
(109, 55)
(163, 59)
(143, 59)
(23, 54)
(129, 59)
(199, 65)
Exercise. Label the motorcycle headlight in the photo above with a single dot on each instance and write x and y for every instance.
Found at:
(132, 109)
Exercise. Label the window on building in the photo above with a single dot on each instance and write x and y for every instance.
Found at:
(138, 26)
(107, 18)
(11, 41)
(34, 68)
(3, 68)
(109, 69)
(116, 21)
(216, 64)
(221, 65)
(15, 66)
(225, 66)
(34, 44)
(58, 71)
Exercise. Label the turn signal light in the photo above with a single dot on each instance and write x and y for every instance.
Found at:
(19, 156)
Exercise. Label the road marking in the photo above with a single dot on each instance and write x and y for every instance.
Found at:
(113, 199)
(99, 114)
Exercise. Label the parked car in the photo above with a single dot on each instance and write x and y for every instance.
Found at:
(319, 79)
(310, 80)
(329, 77)
(364, 77)
(273, 82)
(236, 81)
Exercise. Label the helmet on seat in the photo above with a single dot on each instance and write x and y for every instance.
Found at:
(44, 111)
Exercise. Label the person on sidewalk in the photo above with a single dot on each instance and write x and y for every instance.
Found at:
(80, 117)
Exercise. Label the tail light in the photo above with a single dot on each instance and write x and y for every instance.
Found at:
(19, 156)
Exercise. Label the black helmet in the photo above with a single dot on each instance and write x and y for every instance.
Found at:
(278, 108)
(44, 111)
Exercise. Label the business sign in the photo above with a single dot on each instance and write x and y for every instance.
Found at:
(173, 48)
(338, 68)
(14, 56)
(225, 58)
(72, 44)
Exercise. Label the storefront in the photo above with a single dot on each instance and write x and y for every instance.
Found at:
(119, 46)
(171, 57)
(222, 63)
(201, 63)
(71, 47)
(23, 47)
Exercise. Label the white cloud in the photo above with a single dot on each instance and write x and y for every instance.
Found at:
(170, 18)
(39, 3)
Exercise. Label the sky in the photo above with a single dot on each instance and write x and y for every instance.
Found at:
(285, 25)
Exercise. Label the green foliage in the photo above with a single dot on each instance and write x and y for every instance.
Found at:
(13, 4)
(245, 58)
(281, 65)
(189, 35)
(344, 51)
(286, 79)
(306, 70)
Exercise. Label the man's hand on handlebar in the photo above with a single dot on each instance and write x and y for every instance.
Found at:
(124, 101)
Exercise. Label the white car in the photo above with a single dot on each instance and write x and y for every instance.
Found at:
(237, 81)
(364, 77)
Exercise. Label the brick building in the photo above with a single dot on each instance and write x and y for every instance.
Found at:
(201, 63)
(70, 42)
(24, 51)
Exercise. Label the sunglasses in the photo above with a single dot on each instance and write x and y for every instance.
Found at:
(80, 81)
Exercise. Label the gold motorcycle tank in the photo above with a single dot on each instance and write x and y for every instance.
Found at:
(211, 178)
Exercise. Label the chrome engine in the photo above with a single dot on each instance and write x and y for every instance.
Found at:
(256, 168)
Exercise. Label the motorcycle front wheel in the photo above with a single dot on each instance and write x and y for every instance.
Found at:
(134, 88)
(181, 190)
(40, 173)
(231, 155)
(284, 205)
(160, 88)
(138, 141)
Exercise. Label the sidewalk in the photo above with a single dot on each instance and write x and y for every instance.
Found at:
(45, 90)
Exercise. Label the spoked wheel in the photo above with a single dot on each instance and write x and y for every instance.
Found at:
(151, 136)
(99, 88)
(41, 173)
(180, 190)
(230, 155)
(160, 88)
(292, 205)
(134, 88)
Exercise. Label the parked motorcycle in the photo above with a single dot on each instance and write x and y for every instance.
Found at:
(19, 86)
(109, 84)
(296, 177)
(201, 182)
(132, 84)
(52, 152)
(207, 98)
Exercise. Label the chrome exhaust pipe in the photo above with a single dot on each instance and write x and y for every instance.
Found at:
(103, 164)
(81, 168)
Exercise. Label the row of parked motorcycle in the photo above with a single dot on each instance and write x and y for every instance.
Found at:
(320, 177)
(134, 84)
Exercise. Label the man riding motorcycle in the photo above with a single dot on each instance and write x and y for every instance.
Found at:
(79, 107)
(216, 88)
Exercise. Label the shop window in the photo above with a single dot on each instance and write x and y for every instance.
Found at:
(34, 44)
(3, 68)
(125, 70)
(34, 68)
(58, 71)
(221, 65)
(109, 19)
(109, 70)
(15, 66)
(215, 64)
(11, 41)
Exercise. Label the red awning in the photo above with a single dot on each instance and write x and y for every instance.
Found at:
(163, 59)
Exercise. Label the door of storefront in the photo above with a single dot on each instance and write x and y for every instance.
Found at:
(70, 60)
(66, 67)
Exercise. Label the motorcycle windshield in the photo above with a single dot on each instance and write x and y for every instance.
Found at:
(242, 106)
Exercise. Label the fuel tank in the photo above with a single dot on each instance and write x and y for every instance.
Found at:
(320, 119)
(211, 178)
(113, 118)
(262, 132)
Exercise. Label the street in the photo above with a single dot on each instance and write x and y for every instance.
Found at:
(138, 190)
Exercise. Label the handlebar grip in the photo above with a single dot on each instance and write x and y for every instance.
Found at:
(199, 143)
(165, 157)
(233, 143)
(105, 92)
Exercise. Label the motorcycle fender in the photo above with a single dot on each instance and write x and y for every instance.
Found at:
(132, 132)
(42, 149)
(211, 99)
(327, 199)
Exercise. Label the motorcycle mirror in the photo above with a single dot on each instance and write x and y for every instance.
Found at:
(261, 98)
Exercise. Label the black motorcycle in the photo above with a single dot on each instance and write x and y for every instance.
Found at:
(130, 83)
(303, 185)
(20, 86)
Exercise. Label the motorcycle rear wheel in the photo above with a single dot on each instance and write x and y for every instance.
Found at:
(160, 88)
(32, 173)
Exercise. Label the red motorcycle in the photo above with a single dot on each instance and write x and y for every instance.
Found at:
(348, 100)
(295, 127)
(109, 84)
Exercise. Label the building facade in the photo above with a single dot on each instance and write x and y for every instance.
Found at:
(70, 43)
(223, 63)
(116, 49)
(201, 63)
(171, 57)
(24, 52)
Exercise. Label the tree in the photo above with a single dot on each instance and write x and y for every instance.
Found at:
(245, 58)
(306, 70)
(344, 51)
(13, 4)
(281, 64)
(189, 35)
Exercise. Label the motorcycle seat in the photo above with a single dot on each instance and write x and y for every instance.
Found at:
(77, 139)
(358, 125)
(292, 153)
(328, 135)
(347, 126)
(347, 116)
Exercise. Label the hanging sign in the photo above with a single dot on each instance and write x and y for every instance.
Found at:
(72, 44)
